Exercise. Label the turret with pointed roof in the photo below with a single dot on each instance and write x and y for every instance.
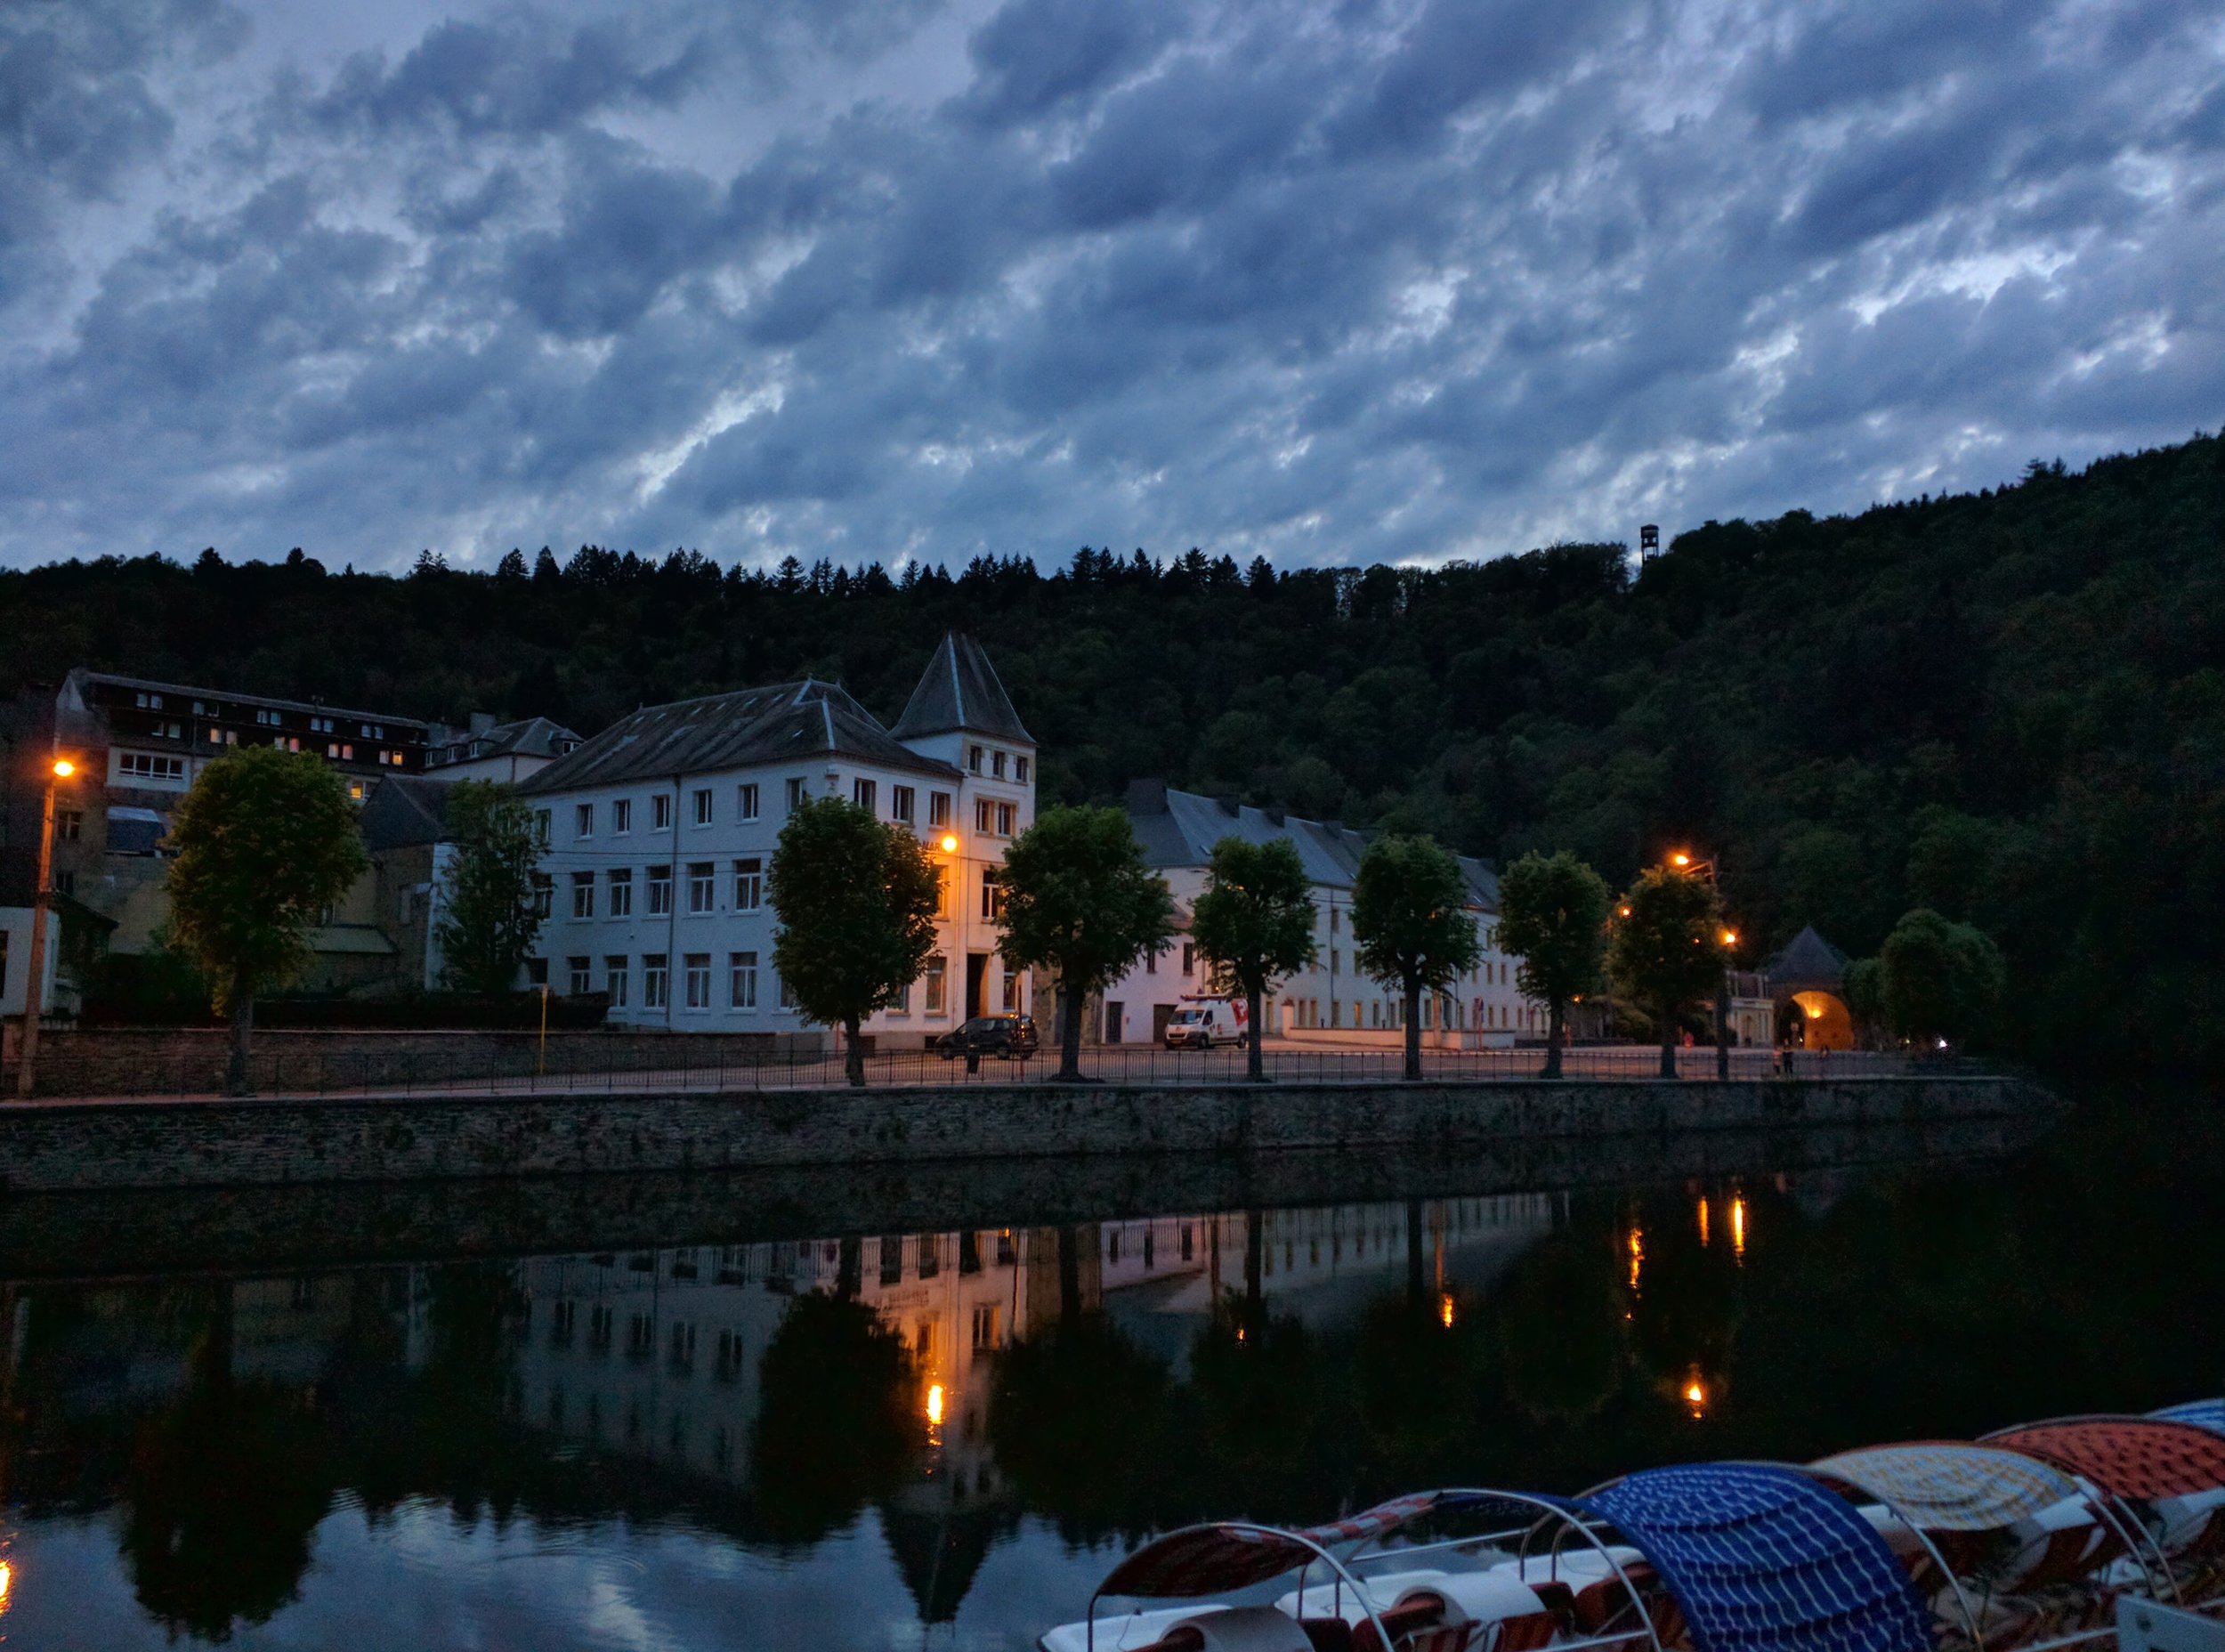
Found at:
(960, 690)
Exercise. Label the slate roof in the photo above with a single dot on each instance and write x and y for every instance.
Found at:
(403, 811)
(781, 723)
(530, 737)
(1180, 828)
(1806, 960)
(82, 675)
(961, 689)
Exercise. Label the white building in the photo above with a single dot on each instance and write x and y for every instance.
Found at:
(1178, 831)
(487, 749)
(660, 831)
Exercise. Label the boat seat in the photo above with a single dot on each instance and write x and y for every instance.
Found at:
(1499, 1612)
(1131, 1632)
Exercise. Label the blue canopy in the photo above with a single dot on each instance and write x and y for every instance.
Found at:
(1762, 1559)
(2203, 1413)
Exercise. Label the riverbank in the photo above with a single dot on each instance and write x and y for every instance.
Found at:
(275, 1141)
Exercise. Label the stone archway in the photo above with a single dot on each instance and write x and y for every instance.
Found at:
(1825, 1021)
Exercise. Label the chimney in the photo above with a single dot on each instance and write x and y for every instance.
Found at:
(1147, 797)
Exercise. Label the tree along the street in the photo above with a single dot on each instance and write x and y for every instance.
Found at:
(1079, 901)
(1410, 925)
(263, 844)
(1553, 915)
(1665, 950)
(1939, 981)
(854, 902)
(1254, 922)
(487, 917)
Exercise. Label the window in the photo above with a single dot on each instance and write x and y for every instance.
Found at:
(748, 801)
(660, 813)
(1007, 816)
(537, 972)
(622, 892)
(69, 825)
(656, 972)
(579, 970)
(544, 894)
(583, 820)
(985, 1326)
(268, 718)
(1189, 958)
(1151, 962)
(942, 892)
(1023, 769)
(67, 882)
(1011, 990)
(993, 819)
(795, 793)
(996, 765)
(937, 979)
(900, 807)
(973, 759)
(938, 808)
(787, 996)
(901, 1005)
(659, 891)
(749, 884)
(741, 980)
(616, 971)
(991, 894)
(864, 793)
(148, 702)
(583, 894)
(142, 766)
(697, 979)
(984, 814)
(702, 876)
(171, 730)
(622, 815)
(540, 828)
(703, 806)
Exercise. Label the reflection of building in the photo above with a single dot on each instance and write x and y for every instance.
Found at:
(655, 1353)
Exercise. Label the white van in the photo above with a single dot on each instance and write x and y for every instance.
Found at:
(1202, 1022)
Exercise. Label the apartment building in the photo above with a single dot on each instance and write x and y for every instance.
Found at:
(659, 834)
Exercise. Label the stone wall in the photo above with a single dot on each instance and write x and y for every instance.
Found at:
(178, 1061)
(46, 1145)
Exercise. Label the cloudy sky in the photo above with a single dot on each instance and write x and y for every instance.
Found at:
(886, 278)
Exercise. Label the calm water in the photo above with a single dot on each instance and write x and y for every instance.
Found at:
(884, 1441)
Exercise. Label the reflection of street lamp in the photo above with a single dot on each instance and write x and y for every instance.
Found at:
(35, 982)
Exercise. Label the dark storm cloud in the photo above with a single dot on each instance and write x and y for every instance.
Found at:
(1332, 281)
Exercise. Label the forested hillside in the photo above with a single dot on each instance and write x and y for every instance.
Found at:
(2010, 706)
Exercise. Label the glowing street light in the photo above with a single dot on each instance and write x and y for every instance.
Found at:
(57, 768)
(949, 843)
(64, 768)
(1695, 1396)
(1680, 859)
(934, 1404)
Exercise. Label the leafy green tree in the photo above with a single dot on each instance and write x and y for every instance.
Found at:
(1079, 901)
(1939, 980)
(1665, 951)
(854, 899)
(264, 843)
(1865, 986)
(1254, 921)
(1411, 924)
(1553, 915)
(487, 921)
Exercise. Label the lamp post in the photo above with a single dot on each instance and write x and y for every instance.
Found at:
(35, 982)
(1685, 861)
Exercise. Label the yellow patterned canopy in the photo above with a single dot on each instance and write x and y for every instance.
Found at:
(1947, 1486)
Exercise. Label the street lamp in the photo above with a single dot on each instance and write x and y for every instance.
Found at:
(35, 982)
(949, 843)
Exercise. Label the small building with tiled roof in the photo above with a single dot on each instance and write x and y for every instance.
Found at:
(659, 831)
(1809, 978)
(487, 749)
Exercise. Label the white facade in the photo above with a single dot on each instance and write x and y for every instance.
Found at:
(1177, 829)
(15, 959)
(656, 886)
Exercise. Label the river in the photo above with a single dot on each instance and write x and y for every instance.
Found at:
(944, 1436)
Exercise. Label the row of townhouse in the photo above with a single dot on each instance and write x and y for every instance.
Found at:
(659, 832)
(1178, 831)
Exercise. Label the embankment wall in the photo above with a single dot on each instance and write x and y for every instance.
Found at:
(278, 1141)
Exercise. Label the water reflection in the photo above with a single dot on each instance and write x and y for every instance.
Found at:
(252, 1447)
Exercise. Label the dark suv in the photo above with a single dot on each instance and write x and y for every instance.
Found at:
(1007, 1038)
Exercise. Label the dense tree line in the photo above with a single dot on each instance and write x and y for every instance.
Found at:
(2007, 707)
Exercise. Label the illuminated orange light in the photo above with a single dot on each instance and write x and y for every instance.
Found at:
(1445, 1310)
(1731, 937)
(949, 843)
(64, 768)
(1703, 1221)
(7, 1580)
(1738, 1226)
(935, 1403)
(1626, 911)
(1695, 1396)
(1680, 858)
(1637, 1256)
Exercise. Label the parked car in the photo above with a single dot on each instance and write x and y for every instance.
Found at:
(1203, 1022)
(1009, 1038)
